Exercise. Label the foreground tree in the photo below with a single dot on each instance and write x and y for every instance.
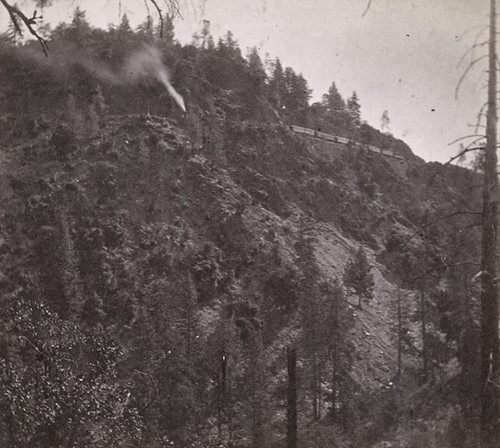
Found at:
(58, 385)
(490, 349)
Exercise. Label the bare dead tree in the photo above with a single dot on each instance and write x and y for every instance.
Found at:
(291, 432)
(490, 345)
(423, 288)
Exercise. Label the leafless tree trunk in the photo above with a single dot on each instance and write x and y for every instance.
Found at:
(424, 330)
(400, 336)
(291, 432)
(489, 293)
(221, 395)
(318, 384)
(316, 387)
(334, 382)
(259, 399)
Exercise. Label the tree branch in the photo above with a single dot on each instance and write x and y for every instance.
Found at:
(479, 115)
(474, 62)
(367, 8)
(483, 29)
(471, 50)
(17, 17)
(173, 6)
(160, 15)
(175, 10)
(476, 126)
(470, 147)
(466, 137)
(16, 14)
(155, 390)
(147, 7)
(463, 152)
(441, 218)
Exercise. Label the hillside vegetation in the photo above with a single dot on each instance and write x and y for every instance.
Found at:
(158, 268)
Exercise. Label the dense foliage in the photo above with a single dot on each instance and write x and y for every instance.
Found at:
(154, 271)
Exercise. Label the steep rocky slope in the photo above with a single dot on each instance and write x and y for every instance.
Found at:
(111, 226)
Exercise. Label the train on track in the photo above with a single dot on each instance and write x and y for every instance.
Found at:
(341, 140)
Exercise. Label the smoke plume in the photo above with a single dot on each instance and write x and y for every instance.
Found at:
(146, 63)
(142, 64)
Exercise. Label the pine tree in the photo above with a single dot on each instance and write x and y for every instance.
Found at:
(401, 331)
(145, 29)
(296, 99)
(231, 43)
(314, 317)
(332, 100)
(79, 29)
(358, 278)
(205, 34)
(125, 25)
(277, 88)
(165, 30)
(385, 121)
(354, 108)
(257, 73)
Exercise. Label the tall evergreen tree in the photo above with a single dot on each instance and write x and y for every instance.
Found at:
(332, 100)
(354, 108)
(124, 26)
(385, 121)
(146, 29)
(296, 100)
(205, 34)
(165, 30)
(79, 29)
(256, 71)
(277, 86)
(314, 316)
(338, 321)
(232, 44)
(358, 278)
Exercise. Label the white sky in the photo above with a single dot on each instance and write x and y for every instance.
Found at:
(402, 56)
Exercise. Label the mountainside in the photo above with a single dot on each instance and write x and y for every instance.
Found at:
(179, 268)
(170, 246)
